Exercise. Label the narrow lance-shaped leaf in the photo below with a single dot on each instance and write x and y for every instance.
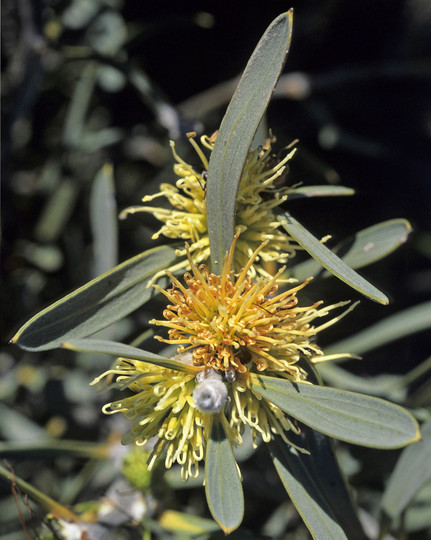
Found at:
(313, 476)
(223, 487)
(329, 260)
(418, 515)
(305, 493)
(388, 386)
(17, 426)
(180, 523)
(53, 448)
(112, 348)
(411, 473)
(103, 216)
(319, 191)
(350, 417)
(364, 248)
(56, 213)
(374, 243)
(398, 326)
(237, 130)
(74, 125)
(97, 304)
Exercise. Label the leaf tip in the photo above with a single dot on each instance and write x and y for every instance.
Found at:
(289, 14)
(418, 435)
(108, 168)
(228, 530)
(409, 230)
(14, 340)
(408, 225)
(378, 297)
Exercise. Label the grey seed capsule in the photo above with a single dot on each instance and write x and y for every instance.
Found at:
(210, 395)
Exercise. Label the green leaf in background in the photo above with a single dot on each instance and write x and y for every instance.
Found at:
(237, 130)
(389, 386)
(319, 191)
(350, 417)
(418, 515)
(421, 397)
(223, 487)
(19, 427)
(97, 304)
(57, 211)
(305, 493)
(49, 449)
(180, 523)
(366, 247)
(412, 472)
(100, 346)
(374, 243)
(400, 325)
(76, 115)
(103, 216)
(329, 260)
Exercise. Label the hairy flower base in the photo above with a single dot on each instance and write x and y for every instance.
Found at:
(259, 194)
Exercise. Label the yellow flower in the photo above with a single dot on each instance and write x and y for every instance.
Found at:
(161, 406)
(233, 326)
(230, 326)
(262, 417)
(231, 322)
(259, 193)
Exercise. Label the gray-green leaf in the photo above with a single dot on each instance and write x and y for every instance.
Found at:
(223, 487)
(319, 191)
(366, 247)
(112, 348)
(411, 473)
(103, 216)
(237, 130)
(348, 416)
(329, 260)
(97, 304)
(398, 326)
(305, 493)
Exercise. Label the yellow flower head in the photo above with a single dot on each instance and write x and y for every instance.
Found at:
(161, 406)
(230, 326)
(259, 193)
(231, 322)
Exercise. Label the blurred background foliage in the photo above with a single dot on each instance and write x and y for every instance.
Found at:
(88, 83)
